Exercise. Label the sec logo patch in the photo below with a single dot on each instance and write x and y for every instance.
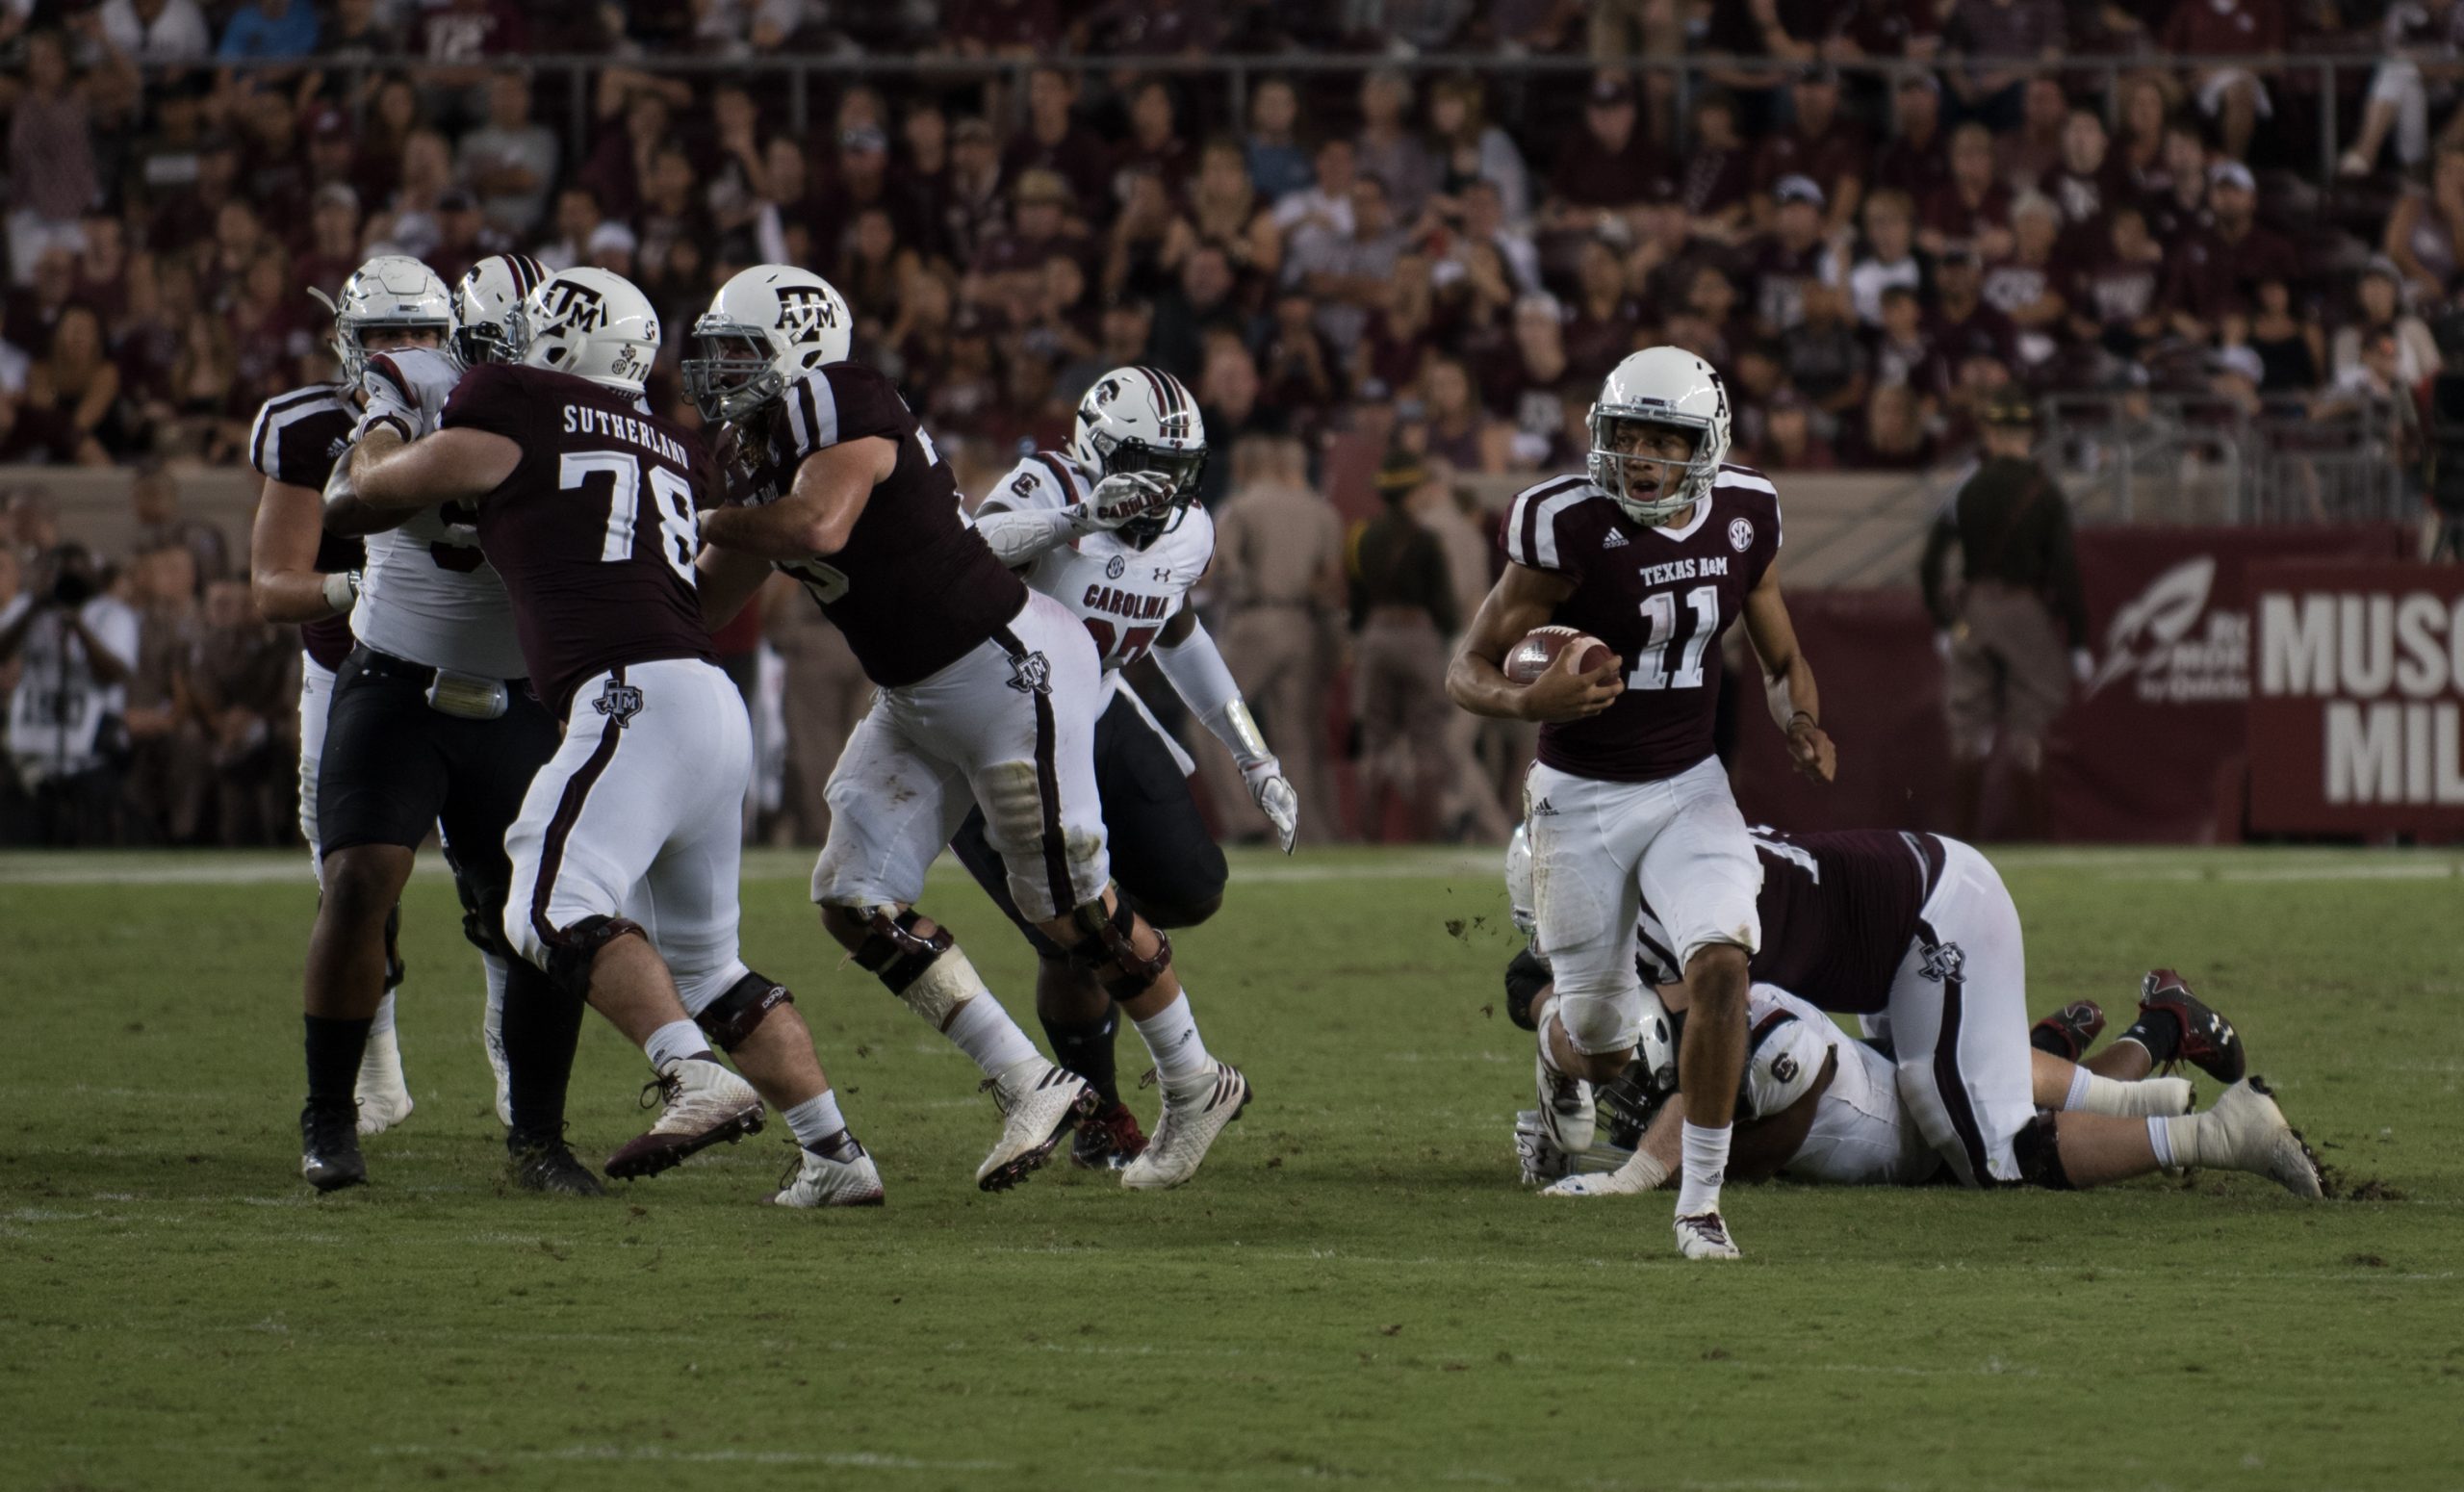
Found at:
(1113, 567)
(1741, 534)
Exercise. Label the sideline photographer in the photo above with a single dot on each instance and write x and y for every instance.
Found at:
(67, 741)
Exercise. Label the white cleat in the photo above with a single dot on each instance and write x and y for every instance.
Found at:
(384, 1097)
(705, 1104)
(1568, 1112)
(1639, 1176)
(1040, 1104)
(1538, 1155)
(2246, 1131)
(1192, 1120)
(1703, 1236)
(824, 1182)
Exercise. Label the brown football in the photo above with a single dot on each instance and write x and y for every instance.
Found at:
(1540, 647)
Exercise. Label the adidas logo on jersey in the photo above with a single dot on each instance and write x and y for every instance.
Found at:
(1544, 809)
(1616, 540)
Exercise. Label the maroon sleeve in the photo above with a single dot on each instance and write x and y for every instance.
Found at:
(491, 397)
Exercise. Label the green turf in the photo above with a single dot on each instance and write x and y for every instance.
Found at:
(1354, 1289)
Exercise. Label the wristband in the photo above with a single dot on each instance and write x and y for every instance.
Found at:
(341, 590)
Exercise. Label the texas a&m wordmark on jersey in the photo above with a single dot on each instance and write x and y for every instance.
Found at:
(596, 529)
(915, 586)
(297, 439)
(1662, 597)
(1123, 594)
(429, 594)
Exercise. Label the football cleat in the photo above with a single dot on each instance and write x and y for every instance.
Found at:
(1108, 1139)
(1703, 1236)
(549, 1166)
(384, 1099)
(1040, 1103)
(1193, 1118)
(2246, 1131)
(2209, 1041)
(1538, 1155)
(2076, 1026)
(329, 1148)
(704, 1104)
(1568, 1112)
(821, 1181)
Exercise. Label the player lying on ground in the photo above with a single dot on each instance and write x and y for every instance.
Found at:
(1130, 585)
(1853, 1113)
(625, 856)
(1655, 551)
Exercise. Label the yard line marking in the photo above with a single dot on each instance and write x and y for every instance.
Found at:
(2296, 875)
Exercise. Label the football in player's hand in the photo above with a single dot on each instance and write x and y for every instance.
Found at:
(1540, 647)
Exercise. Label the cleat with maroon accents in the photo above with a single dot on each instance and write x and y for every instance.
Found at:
(704, 1104)
(1108, 1139)
(2209, 1041)
(1040, 1103)
(2076, 1026)
(1703, 1236)
(1195, 1114)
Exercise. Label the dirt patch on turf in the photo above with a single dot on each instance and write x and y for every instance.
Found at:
(2369, 1189)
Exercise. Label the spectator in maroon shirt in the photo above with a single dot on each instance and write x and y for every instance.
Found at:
(969, 203)
(1892, 437)
(1296, 365)
(1782, 264)
(1974, 208)
(1819, 144)
(463, 237)
(2232, 96)
(1605, 167)
(332, 153)
(2139, 154)
(1718, 181)
(1913, 161)
(2088, 182)
(1711, 301)
(2000, 31)
(1826, 360)
(2027, 283)
(1054, 140)
(392, 117)
(622, 162)
(860, 179)
(1008, 266)
(1605, 318)
(2022, 156)
(1903, 352)
(2112, 298)
(1964, 329)
(1155, 144)
(102, 267)
(2214, 274)
(1660, 270)
(1389, 148)
(2180, 211)
(1789, 441)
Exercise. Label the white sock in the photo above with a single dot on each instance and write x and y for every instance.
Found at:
(2160, 1138)
(1171, 1039)
(1707, 1165)
(678, 1040)
(2146, 1099)
(383, 1025)
(983, 1031)
(492, 1014)
(815, 1119)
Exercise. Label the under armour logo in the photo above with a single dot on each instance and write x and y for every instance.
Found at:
(618, 701)
(1030, 672)
(1942, 963)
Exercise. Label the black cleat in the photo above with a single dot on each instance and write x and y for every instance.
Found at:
(330, 1145)
(2074, 1027)
(1108, 1139)
(547, 1164)
(2209, 1041)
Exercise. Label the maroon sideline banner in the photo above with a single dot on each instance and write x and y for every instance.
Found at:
(2357, 716)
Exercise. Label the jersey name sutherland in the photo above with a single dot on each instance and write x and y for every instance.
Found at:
(916, 587)
(297, 438)
(1122, 593)
(596, 529)
(1660, 597)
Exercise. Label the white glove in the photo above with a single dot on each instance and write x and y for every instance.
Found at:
(341, 590)
(1118, 500)
(2083, 665)
(1274, 797)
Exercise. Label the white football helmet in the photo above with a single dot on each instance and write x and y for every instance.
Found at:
(588, 322)
(391, 291)
(1143, 420)
(1669, 388)
(767, 326)
(489, 292)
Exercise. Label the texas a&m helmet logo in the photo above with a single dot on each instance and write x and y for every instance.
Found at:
(804, 311)
(573, 305)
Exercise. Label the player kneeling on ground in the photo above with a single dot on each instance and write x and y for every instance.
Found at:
(990, 694)
(625, 854)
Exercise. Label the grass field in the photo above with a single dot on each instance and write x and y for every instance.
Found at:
(1353, 1290)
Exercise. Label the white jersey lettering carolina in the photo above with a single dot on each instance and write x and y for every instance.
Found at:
(428, 594)
(1859, 1135)
(1122, 593)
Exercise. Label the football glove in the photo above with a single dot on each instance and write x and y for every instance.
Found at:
(1125, 496)
(1274, 798)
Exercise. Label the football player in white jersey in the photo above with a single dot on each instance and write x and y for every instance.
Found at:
(429, 725)
(1131, 586)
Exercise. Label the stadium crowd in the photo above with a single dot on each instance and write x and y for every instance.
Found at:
(1869, 214)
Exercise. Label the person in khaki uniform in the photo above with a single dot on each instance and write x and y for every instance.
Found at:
(1280, 581)
(827, 693)
(2004, 631)
(1403, 609)
(1471, 805)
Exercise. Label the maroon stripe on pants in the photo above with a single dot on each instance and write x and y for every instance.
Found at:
(1946, 1073)
(1056, 855)
(569, 806)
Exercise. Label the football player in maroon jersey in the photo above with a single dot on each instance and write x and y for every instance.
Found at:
(989, 695)
(625, 856)
(1655, 551)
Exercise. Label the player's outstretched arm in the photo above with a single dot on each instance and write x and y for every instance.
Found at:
(457, 465)
(820, 507)
(1787, 679)
(726, 582)
(1195, 668)
(1523, 599)
(283, 578)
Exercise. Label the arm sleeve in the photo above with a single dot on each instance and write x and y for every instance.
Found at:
(1027, 512)
(1198, 675)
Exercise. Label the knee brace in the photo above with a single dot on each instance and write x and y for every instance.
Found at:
(2039, 1157)
(928, 973)
(1110, 952)
(730, 1020)
(569, 954)
(1524, 978)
